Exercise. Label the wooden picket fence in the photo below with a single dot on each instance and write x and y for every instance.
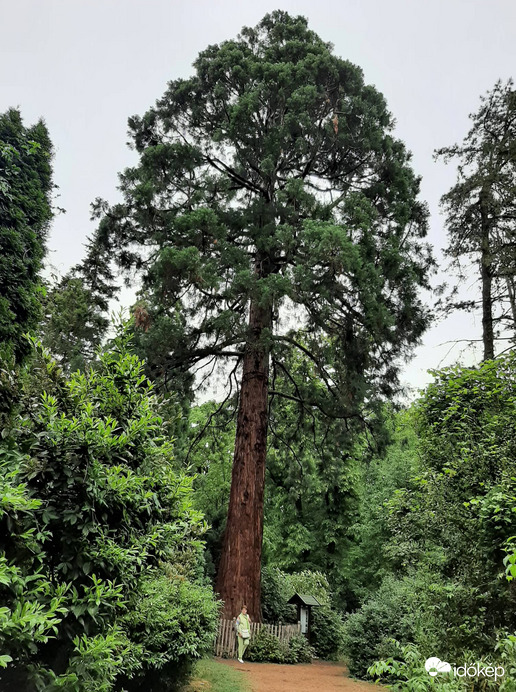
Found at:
(226, 640)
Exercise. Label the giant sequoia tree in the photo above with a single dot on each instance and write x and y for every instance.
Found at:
(269, 185)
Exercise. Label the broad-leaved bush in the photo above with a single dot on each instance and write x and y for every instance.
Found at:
(100, 547)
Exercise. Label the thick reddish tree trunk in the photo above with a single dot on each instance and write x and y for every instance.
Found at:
(238, 579)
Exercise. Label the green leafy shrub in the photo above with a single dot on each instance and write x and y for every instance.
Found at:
(171, 624)
(506, 651)
(299, 650)
(265, 647)
(327, 633)
(421, 608)
(99, 543)
(275, 592)
(369, 631)
(93, 666)
(405, 671)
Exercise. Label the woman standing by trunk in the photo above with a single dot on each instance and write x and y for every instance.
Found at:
(243, 627)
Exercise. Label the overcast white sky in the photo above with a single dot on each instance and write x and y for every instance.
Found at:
(85, 66)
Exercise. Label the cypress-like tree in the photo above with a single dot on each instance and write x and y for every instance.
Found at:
(270, 186)
(25, 213)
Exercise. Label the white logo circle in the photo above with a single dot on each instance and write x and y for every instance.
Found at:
(434, 665)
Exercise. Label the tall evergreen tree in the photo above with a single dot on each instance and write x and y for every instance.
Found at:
(75, 318)
(481, 210)
(269, 184)
(73, 323)
(25, 213)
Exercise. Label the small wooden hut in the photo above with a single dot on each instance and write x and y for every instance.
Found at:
(304, 603)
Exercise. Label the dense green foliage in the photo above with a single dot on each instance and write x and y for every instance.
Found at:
(100, 546)
(393, 611)
(266, 647)
(25, 212)
(235, 164)
(327, 626)
(208, 451)
(380, 475)
(447, 528)
(73, 324)
(405, 670)
(310, 488)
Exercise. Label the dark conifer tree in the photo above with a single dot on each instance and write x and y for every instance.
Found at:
(481, 212)
(25, 213)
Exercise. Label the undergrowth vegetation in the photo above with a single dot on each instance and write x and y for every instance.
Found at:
(448, 535)
(101, 551)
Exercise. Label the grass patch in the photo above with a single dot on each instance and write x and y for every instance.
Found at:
(213, 676)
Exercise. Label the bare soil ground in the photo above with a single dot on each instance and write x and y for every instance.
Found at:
(319, 676)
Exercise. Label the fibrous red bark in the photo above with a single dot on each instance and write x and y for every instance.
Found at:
(239, 568)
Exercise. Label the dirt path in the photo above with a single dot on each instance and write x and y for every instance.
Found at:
(319, 676)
